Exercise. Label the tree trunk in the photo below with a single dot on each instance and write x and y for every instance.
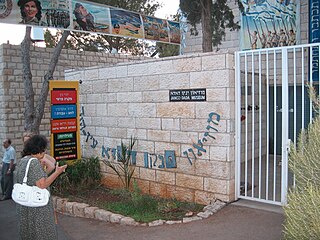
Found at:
(33, 116)
(27, 80)
(206, 6)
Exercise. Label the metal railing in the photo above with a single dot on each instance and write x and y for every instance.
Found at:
(272, 107)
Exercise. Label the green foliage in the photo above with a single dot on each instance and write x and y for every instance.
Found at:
(302, 212)
(167, 50)
(82, 173)
(304, 161)
(146, 7)
(220, 19)
(145, 208)
(123, 167)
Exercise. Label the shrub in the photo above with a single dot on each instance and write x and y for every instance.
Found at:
(81, 173)
(302, 212)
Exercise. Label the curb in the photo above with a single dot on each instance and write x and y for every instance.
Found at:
(75, 209)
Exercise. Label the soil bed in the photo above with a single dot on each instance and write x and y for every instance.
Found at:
(142, 208)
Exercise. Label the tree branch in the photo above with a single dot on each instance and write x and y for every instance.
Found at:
(49, 76)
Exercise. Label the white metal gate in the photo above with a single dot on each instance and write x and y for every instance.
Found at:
(272, 107)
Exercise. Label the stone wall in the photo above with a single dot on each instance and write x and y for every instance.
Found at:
(12, 88)
(232, 41)
(132, 99)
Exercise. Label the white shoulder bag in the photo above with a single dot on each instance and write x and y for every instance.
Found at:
(30, 196)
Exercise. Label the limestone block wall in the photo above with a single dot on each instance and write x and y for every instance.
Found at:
(178, 153)
(232, 41)
(12, 87)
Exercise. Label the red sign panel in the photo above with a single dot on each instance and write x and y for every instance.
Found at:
(63, 96)
(64, 125)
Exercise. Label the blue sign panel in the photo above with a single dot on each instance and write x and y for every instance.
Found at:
(314, 35)
(63, 111)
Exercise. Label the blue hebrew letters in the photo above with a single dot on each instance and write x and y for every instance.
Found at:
(213, 118)
(170, 157)
(199, 147)
(105, 152)
(162, 162)
(186, 153)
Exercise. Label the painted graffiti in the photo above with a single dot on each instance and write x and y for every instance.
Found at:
(152, 160)
(168, 160)
(83, 130)
(213, 118)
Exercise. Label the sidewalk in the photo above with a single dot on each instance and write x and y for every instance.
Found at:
(233, 222)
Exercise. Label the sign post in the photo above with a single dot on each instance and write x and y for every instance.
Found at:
(65, 125)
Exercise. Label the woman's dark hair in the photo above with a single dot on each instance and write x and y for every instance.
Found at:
(36, 144)
(21, 4)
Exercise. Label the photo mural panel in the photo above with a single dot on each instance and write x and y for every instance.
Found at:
(79, 15)
(269, 23)
(126, 23)
(155, 29)
(89, 17)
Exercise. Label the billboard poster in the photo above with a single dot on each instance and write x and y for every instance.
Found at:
(89, 17)
(81, 15)
(269, 23)
(174, 30)
(314, 35)
(65, 124)
(126, 23)
(155, 29)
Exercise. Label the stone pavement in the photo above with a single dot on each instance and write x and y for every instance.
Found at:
(233, 222)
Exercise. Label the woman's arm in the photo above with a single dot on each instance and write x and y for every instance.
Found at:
(49, 163)
(46, 182)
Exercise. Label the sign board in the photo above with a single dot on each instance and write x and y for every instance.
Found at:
(63, 111)
(64, 125)
(65, 135)
(188, 95)
(80, 15)
(314, 35)
(65, 146)
(64, 97)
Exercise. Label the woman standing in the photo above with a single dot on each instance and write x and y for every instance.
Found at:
(48, 163)
(36, 223)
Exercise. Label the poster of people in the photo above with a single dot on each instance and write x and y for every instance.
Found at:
(89, 17)
(81, 15)
(174, 30)
(269, 23)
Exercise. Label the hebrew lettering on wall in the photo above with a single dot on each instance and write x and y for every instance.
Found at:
(198, 148)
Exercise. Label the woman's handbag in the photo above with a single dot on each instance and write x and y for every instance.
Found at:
(30, 196)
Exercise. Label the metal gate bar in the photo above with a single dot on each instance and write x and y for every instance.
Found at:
(272, 106)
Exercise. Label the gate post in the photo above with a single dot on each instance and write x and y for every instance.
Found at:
(285, 126)
(237, 124)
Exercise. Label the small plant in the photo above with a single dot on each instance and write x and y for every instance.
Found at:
(82, 173)
(123, 167)
(302, 212)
